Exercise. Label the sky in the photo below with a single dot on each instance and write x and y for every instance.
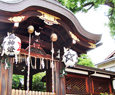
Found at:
(94, 21)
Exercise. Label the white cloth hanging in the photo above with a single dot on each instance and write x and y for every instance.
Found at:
(42, 63)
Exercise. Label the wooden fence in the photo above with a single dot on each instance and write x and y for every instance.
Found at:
(23, 92)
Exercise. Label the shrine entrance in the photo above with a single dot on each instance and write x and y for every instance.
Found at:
(38, 65)
(46, 17)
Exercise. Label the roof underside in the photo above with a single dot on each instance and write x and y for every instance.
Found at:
(67, 29)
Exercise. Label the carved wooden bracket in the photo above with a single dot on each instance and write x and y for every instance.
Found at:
(74, 37)
(92, 45)
(16, 18)
(48, 19)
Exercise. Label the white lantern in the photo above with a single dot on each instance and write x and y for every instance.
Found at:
(70, 57)
(11, 46)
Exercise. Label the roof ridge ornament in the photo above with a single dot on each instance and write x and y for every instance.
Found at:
(11, 1)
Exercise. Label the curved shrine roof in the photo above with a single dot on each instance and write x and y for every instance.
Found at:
(67, 27)
(49, 4)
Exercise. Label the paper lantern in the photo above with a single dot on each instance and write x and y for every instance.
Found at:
(70, 58)
(11, 45)
(54, 37)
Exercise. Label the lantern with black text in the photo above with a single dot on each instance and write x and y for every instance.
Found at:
(11, 46)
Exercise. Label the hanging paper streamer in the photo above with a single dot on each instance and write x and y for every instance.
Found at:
(6, 65)
(70, 57)
(42, 63)
(33, 66)
(35, 63)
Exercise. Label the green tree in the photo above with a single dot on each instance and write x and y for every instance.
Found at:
(16, 80)
(85, 5)
(37, 85)
(85, 60)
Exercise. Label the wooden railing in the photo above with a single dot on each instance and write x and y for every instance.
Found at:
(24, 92)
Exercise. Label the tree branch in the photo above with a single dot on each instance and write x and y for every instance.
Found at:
(109, 3)
(90, 6)
(87, 4)
(110, 14)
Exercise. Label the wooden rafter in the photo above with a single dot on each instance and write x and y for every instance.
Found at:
(43, 44)
(78, 50)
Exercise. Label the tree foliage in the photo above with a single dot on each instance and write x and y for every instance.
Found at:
(85, 5)
(85, 60)
(16, 81)
(37, 85)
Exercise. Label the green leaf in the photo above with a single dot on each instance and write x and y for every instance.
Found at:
(85, 60)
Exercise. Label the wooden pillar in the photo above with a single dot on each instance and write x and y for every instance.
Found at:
(62, 82)
(57, 74)
(10, 74)
(25, 78)
(49, 80)
(90, 88)
(63, 89)
(30, 81)
(6, 79)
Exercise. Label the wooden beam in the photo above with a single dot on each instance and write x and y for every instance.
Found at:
(37, 55)
(83, 42)
(56, 31)
(18, 72)
(35, 71)
(52, 28)
(78, 50)
(67, 43)
(43, 44)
